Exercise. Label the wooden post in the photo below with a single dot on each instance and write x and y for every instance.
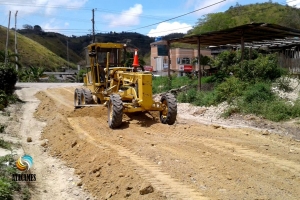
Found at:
(169, 63)
(7, 35)
(16, 49)
(199, 71)
(242, 46)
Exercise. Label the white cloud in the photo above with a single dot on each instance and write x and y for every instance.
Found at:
(54, 25)
(293, 3)
(199, 4)
(127, 18)
(51, 26)
(45, 6)
(166, 28)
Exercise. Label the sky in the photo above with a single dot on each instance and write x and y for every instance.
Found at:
(148, 17)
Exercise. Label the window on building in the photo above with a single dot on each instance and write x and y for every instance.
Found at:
(185, 61)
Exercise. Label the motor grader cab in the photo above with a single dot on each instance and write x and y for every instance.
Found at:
(122, 89)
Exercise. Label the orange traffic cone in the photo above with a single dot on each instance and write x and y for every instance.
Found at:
(135, 59)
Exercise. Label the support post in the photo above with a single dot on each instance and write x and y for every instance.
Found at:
(16, 49)
(242, 46)
(93, 21)
(7, 34)
(199, 71)
(68, 54)
(169, 63)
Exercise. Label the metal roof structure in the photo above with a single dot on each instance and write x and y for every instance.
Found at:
(248, 33)
(255, 35)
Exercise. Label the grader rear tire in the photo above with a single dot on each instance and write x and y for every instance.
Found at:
(115, 111)
(77, 96)
(168, 115)
(86, 97)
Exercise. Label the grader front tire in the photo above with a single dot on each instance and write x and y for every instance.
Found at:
(168, 115)
(77, 97)
(86, 97)
(115, 111)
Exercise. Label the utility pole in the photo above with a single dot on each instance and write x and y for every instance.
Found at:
(7, 38)
(68, 53)
(93, 21)
(16, 50)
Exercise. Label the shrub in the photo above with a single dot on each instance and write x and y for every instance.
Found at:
(205, 98)
(8, 78)
(230, 89)
(258, 92)
(263, 68)
(181, 97)
(284, 84)
(3, 100)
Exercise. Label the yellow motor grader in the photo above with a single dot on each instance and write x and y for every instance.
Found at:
(122, 89)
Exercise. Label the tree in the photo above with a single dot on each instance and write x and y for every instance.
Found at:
(27, 26)
(37, 28)
(204, 60)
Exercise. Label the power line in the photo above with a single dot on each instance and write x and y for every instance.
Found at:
(179, 16)
(44, 5)
(77, 8)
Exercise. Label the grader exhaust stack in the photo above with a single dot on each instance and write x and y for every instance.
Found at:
(121, 89)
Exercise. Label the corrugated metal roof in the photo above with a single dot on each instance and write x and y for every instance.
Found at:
(251, 32)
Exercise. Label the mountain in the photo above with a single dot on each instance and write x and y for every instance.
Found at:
(76, 44)
(237, 15)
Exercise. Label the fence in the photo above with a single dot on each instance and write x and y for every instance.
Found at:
(292, 64)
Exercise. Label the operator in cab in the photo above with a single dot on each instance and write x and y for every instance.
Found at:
(102, 72)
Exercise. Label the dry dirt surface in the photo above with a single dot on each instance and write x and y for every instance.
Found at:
(145, 159)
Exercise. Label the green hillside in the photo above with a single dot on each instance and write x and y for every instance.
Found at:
(32, 53)
(55, 42)
(238, 15)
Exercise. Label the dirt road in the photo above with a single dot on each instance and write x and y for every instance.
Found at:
(188, 160)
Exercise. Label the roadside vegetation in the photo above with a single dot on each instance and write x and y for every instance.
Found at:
(245, 85)
(9, 189)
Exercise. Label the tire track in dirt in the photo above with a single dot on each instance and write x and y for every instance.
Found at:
(58, 99)
(152, 173)
(70, 90)
(240, 151)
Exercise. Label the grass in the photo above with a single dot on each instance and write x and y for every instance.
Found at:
(162, 84)
(7, 186)
(244, 97)
(5, 145)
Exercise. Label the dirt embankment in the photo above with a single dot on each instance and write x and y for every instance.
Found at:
(185, 161)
